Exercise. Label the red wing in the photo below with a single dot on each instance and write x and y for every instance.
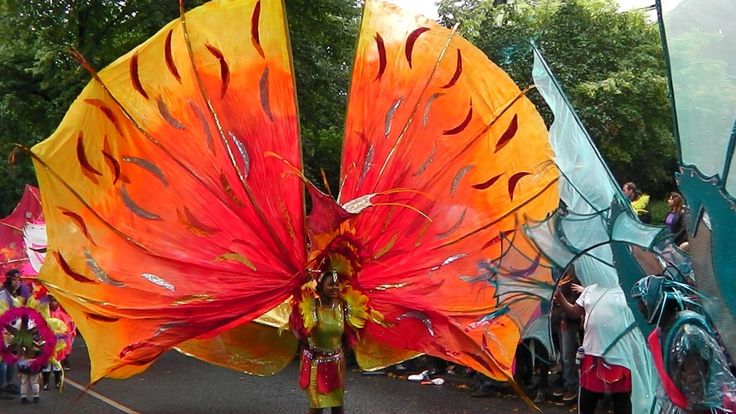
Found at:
(443, 155)
(167, 217)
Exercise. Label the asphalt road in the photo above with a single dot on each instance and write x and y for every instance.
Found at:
(179, 384)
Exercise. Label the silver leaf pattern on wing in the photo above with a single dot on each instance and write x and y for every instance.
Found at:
(243, 153)
(421, 316)
(459, 176)
(166, 114)
(148, 166)
(134, 207)
(158, 281)
(449, 260)
(428, 106)
(390, 116)
(101, 275)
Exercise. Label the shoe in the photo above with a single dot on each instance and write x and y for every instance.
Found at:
(36, 400)
(400, 367)
(45, 387)
(541, 397)
(24, 400)
(422, 376)
(559, 392)
(570, 396)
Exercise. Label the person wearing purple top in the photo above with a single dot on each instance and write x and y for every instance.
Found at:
(674, 219)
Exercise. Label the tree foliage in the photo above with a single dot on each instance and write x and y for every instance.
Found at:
(40, 79)
(323, 39)
(609, 63)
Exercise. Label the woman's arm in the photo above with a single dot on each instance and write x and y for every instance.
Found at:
(573, 310)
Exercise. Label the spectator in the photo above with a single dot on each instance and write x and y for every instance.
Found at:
(639, 202)
(531, 354)
(569, 342)
(602, 308)
(674, 219)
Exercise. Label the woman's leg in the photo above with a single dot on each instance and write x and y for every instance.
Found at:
(587, 400)
(621, 402)
(3, 374)
(338, 410)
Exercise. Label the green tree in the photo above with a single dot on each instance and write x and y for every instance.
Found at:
(609, 63)
(40, 79)
(323, 39)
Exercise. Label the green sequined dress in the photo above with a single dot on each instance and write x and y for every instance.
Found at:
(324, 360)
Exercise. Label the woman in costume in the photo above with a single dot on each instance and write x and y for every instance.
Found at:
(325, 317)
(322, 355)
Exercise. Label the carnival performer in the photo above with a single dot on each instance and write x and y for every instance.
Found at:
(29, 373)
(691, 364)
(323, 322)
(31, 341)
(9, 298)
(10, 293)
(65, 340)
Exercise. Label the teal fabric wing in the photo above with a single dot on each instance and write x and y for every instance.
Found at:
(699, 36)
(594, 230)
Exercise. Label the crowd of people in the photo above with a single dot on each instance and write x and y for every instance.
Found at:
(37, 339)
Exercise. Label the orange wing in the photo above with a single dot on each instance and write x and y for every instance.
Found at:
(444, 156)
(167, 217)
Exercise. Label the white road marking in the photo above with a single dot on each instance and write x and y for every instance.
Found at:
(100, 397)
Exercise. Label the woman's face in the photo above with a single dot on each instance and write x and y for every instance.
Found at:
(330, 288)
(672, 200)
(14, 283)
